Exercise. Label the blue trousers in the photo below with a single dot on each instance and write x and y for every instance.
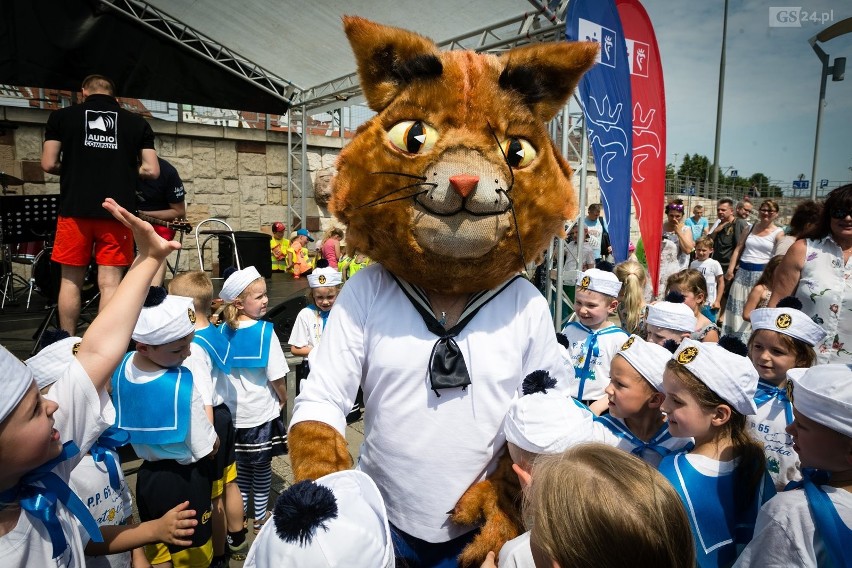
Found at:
(415, 553)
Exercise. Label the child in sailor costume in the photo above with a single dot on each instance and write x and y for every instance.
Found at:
(310, 322)
(538, 423)
(635, 397)
(43, 438)
(722, 481)
(810, 524)
(98, 479)
(432, 385)
(593, 341)
(173, 436)
(337, 520)
(782, 338)
(325, 283)
(209, 361)
(669, 320)
(256, 388)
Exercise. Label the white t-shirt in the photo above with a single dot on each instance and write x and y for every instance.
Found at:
(201, 366)
(249, 397)
(424, 450)
(608, 345)
(200, 438)
(307, 329)
(517, 553)
(83, 415)
(90, 481)
(784, 534)
(710, 269)
(768, 426)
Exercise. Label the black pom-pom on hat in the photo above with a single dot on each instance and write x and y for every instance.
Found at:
(604, 265)
(671, 345)
(734, 345)
(301, 510)
(791, 302)
(156, 296)
(228, 271)
(322, 263)
(51, 336)
(538, 381)
(562, 340)
(675, 297)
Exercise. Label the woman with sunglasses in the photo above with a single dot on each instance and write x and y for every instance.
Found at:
(676, 246)
(818, 271)
(747, 263)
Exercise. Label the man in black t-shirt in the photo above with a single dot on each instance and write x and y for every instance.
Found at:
(99, 150)
(163, 199)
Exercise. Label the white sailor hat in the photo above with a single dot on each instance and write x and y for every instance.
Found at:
(789, 321)
(169, 321)
(539, 421)
(338, 520)
(237, 282)
(324, 277)
(599, 281)
(732, 377)
(672, 315)
(824, 394)
(649, 359)
(15, 381)
(48, 364)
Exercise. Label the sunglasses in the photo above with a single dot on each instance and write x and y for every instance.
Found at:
(840, 213)
(767, 210)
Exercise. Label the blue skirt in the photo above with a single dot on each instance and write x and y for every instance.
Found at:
(261, 443)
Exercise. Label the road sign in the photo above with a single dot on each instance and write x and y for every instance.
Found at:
(801, 184)
(734, 174)
(823, 183)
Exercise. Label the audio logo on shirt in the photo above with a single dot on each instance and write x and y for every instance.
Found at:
(101, 129)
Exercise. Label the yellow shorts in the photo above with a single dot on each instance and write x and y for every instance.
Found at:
(199, 557)
(227, 477)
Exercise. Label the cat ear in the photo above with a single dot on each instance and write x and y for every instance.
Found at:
(545, 74)
(389, 58)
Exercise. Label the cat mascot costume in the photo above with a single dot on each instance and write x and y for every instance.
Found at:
(453, 187)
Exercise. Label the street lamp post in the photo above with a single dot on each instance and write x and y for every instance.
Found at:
(836, 71)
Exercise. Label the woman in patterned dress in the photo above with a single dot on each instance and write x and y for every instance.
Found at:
(817, 269)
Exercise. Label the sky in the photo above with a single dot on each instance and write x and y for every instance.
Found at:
(771, 89)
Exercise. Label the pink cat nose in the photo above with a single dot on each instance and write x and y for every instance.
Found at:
(464, 183)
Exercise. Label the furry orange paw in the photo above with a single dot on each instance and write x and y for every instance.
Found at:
(317, 449)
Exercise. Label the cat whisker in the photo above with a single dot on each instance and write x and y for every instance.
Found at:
(403, 174)
(388, 194)
(376, 202)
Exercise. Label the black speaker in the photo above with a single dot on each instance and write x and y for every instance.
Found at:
(253, 249)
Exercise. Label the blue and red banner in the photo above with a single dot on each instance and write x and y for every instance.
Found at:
(606, 101)
(649, 128)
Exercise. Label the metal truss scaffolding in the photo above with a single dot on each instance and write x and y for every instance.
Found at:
(545, 23)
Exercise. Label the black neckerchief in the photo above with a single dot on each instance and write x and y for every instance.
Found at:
(447, 368)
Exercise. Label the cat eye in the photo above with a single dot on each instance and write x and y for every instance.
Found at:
(413, 136)
(519, 152)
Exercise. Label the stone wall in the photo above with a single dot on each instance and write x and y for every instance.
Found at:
(237, 175)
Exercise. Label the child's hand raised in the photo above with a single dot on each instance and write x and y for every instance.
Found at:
(148, 242)
(175, 526)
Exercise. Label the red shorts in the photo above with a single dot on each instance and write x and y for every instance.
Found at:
(77, 239)
(165, 232)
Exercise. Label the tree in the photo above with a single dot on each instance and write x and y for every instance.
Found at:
(694, 167)
(670, 171)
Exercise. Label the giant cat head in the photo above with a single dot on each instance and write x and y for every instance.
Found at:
(455, 183)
